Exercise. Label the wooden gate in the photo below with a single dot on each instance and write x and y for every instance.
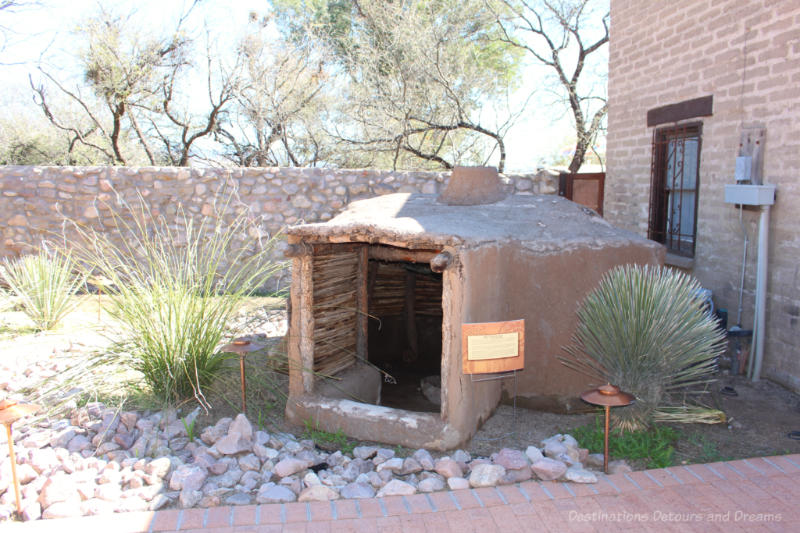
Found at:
(585, 189)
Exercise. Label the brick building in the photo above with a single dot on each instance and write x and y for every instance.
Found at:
(689, 82)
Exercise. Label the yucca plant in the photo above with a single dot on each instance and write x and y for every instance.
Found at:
(173, 287)
(645, 330)
(43, 286)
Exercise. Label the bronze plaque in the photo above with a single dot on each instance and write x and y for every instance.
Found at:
(490, 347)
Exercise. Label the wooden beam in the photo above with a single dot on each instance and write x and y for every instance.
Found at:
(697, 107)
(440, 262)
(306, 321)
(387, 253)
(362, 303)
(305, 248)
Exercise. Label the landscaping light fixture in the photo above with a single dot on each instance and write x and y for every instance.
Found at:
(10, 412)
(242, 347)
(608, 396)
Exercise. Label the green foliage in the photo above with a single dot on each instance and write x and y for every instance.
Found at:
(644, 329)
(189, 427)
(120, 65)
(655, 445)
(326, 439)
(8, 331)
(43, 285)
(33, 150)
(260, 421)
(173, 288)
(27, 137)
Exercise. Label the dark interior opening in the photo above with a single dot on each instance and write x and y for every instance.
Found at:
(405, 332)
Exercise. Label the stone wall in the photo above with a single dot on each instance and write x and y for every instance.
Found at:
(747, 55)
(36, 201)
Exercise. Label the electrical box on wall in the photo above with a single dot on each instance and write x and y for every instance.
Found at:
(750, 194)
(744, 167)
(750, 162)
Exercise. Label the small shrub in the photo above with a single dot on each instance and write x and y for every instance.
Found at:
(43, 286)
(644, 329)
(655, 446)
(174, 286)
(326, 439)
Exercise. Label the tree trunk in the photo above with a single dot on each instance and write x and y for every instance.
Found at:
(578, 156)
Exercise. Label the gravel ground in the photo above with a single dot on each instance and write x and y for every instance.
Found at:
(749, 431)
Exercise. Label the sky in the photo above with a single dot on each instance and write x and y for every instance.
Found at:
(48, 30)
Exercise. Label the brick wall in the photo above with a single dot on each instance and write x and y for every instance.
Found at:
(36, 201)
(747, 55)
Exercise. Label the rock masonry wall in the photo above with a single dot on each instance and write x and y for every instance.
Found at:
(37, 203)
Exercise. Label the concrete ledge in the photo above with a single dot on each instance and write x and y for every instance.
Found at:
(686, 263)
(364, 421)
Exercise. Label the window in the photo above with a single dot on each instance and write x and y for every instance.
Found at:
(674, 186)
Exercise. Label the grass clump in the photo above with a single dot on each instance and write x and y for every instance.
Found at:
(654, 446)
(42, 285)
(190, 428)
(326, 439)
(174, 286)
(644, 329)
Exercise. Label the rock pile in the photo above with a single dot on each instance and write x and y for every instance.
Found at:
(102, 461)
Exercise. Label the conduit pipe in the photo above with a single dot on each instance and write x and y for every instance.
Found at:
(759, 321)
(763, 196)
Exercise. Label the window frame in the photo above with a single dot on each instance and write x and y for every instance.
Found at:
(658, 224)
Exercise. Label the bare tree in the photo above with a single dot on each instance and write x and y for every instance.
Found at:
(280, 103)
(7, 7)
(28, 138)
(134, 94)
(563, 35)
(188, 128)
(423, 81)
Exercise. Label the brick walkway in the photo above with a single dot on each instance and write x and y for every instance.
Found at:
(760, 494)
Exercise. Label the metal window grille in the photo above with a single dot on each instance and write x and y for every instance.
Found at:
(675, 179)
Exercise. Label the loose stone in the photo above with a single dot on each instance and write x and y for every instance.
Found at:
(486, 475)
(397, 488)
(548, 469)
(272, 493)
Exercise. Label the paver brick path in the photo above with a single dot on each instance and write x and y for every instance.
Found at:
(761, 494)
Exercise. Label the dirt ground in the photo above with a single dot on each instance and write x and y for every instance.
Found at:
(759, 417)
(758, 421)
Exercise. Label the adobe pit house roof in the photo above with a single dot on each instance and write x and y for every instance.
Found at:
(537, 223)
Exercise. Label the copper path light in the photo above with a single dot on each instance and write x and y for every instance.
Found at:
(242, 347)
(10, 412)
(608, 396)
